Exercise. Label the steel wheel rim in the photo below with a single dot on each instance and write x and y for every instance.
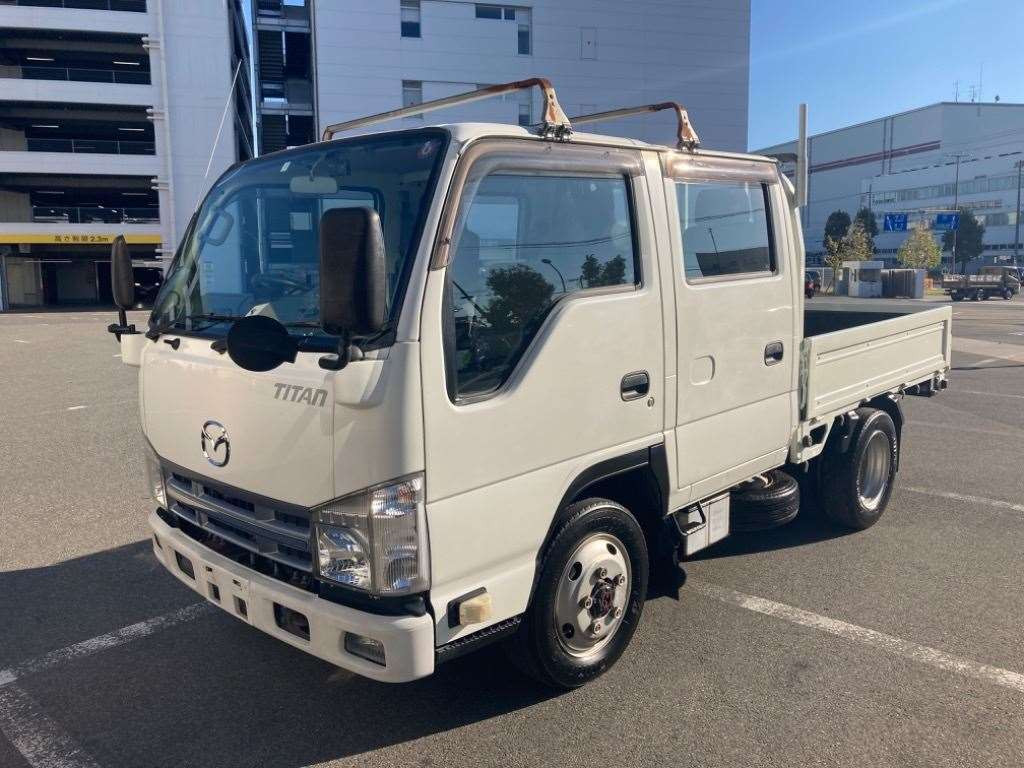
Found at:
(592, 595)
(874, 470)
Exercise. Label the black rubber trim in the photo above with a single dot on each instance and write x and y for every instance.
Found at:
(602, 471)
(475, 640)
(404, 605)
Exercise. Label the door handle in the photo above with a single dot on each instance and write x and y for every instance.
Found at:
(635, 385)
(773, 353)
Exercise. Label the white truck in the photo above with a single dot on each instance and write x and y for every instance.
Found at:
(412, 392)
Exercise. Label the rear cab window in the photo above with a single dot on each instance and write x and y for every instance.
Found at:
(725, 227)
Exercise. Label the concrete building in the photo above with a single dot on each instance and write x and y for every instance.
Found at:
(109, 108)
(909, 163)
(108, 112)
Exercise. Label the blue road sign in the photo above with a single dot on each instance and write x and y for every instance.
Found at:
(944, 222)
(895, 222)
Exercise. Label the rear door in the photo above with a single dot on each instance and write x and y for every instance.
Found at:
(542, 352)
(736, 302)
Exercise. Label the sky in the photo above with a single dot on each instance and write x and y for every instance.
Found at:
(855, 60)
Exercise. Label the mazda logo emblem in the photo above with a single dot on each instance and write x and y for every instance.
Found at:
(215, 444)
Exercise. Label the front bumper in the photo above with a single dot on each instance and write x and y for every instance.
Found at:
(250, 596)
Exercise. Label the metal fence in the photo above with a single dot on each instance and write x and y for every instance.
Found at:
(95, 215)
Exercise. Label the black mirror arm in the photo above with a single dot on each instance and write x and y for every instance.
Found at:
(347, 352)
(122, 327)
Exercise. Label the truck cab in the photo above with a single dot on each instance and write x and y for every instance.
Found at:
(411, 392)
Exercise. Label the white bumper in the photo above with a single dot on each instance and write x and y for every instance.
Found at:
(408, 640)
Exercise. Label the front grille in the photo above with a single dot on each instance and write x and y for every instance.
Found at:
(278, 532)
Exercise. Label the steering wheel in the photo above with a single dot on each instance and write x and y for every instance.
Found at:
(289, 285)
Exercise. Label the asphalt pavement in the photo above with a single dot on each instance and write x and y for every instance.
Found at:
(897, 646)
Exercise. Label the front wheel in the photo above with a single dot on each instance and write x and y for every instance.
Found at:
(1007, 294)
(856, 485)
(955, 296)
(589, 596)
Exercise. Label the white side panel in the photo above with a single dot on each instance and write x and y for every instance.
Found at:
(844, 367)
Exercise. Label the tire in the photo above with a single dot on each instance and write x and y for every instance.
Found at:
(955, 296)
(979, 295)
(551, 644)
(856, 485)
(768, 501)
(1007, 294)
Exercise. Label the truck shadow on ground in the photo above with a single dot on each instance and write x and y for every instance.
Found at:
(809, 527)
(214, 691)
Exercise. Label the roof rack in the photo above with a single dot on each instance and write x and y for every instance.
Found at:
(686, 136)
(555, 124)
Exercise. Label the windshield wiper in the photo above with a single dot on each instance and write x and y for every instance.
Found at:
(154, 333)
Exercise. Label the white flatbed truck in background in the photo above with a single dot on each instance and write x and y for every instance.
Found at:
(412, 392)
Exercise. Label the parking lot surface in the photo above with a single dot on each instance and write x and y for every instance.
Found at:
(896, 646)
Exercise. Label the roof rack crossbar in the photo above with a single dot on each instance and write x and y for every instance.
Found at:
(554, 125)
(686, 136)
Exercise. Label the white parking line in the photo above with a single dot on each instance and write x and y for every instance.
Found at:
(987, 360)
(997, 503)
(956, 390)
(22, 341)
(870, 637)
(77, 407)
(972, 430)
(39, 739)
(102, 643)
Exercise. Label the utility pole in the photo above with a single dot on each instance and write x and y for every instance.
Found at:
(1016, 226)
(958, 156)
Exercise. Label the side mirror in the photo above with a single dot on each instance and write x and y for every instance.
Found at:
(122, 281)
(353, 293)
(122, 284)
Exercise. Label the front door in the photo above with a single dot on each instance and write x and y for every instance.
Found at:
(737, 337)
(548, 304)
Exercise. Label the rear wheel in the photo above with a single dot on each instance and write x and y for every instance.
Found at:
(955, 296)
(1007, 294)
(589, 596)
(856, 485)
(979, 295)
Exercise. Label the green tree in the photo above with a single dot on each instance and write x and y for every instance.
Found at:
(836, 225)
(593, 273)
(919, 250)
(854, 246)
(867, 219)
(968, 238)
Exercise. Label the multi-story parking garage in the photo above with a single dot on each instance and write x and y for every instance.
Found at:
(108, 111)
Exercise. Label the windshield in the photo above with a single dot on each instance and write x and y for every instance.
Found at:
(252, 247)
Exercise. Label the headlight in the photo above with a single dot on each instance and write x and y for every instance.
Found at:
(154, 475)
(376, 540)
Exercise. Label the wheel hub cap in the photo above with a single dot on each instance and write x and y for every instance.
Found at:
(874, 470)
(592, 595)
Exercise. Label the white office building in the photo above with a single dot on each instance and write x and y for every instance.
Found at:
(109, 108)
(921, 163)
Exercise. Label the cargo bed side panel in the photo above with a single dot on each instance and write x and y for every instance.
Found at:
(842, 368)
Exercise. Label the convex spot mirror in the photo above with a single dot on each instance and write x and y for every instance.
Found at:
(122, 280)
(353, 293)
(260, 343)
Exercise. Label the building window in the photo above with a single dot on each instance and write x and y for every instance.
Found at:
(524, 39)
(488, 12)
(525, 108)
(511, 13)
(412, 94)
(410, 18)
